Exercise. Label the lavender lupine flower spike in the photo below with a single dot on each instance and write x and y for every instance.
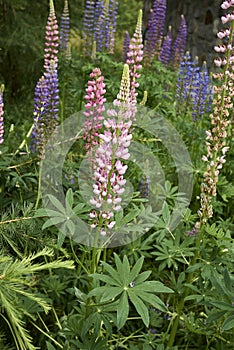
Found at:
(53, 96)
(221, 117)
(94, 109)
(178, 47)
(135, 56)
(109, 181)
(165, 52)
(64, 28)
(51, 39)
(1, 114)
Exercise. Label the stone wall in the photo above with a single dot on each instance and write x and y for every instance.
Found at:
(203, 22)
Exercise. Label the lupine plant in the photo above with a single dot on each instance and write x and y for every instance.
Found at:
(158, 285)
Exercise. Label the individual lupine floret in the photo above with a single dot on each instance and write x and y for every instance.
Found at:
(109, 169)
(216, 137)
(135, 56)
(165, 53)
(65, 28)
(126, 44)
(1, 114)
(94, 108)
(179, 44)
(51, 39)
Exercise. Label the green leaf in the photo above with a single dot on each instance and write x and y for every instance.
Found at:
(140, 307)
(136, 269)
(154, 301)
(166, 214)
(111, 293)
(114, 274)
(122, 310)
(228, 323)
(50, 346)
(70, 198)
(222, 305)
(153, 287)
(104, 278)
(119, 266)
(52, 222)
(142, 277)
(56, 203)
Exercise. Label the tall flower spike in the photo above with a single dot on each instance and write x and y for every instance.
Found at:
(155, 31)
(124, 92)
(38, 136)
(51, 39)
(216, 140)
(201, 92)
(109, 168)
(165, 52)
(1, 114)
(178, 47)
(46, 103)
(88, 26)
(135, 56)
(94, 109)
(64, 28)
(126, 44)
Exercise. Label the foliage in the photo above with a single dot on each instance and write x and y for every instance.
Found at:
(167, 289)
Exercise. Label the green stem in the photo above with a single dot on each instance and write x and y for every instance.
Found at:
(39, 188)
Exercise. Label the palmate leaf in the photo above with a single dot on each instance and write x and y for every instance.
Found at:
(124, 285)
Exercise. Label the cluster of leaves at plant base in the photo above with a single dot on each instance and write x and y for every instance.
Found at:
(128, 285)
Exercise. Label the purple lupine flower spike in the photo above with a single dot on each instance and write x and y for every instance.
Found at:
(178, 47)
(160, 15)
(46, 107)
(64, 28)
(51, 39)
(38, 136)
(113, 8)
(1, 114)
(165, 53)
(135, 56)
(88, 26)
(99, 21)
(201, 93)
(155, 31)
(126, 44)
